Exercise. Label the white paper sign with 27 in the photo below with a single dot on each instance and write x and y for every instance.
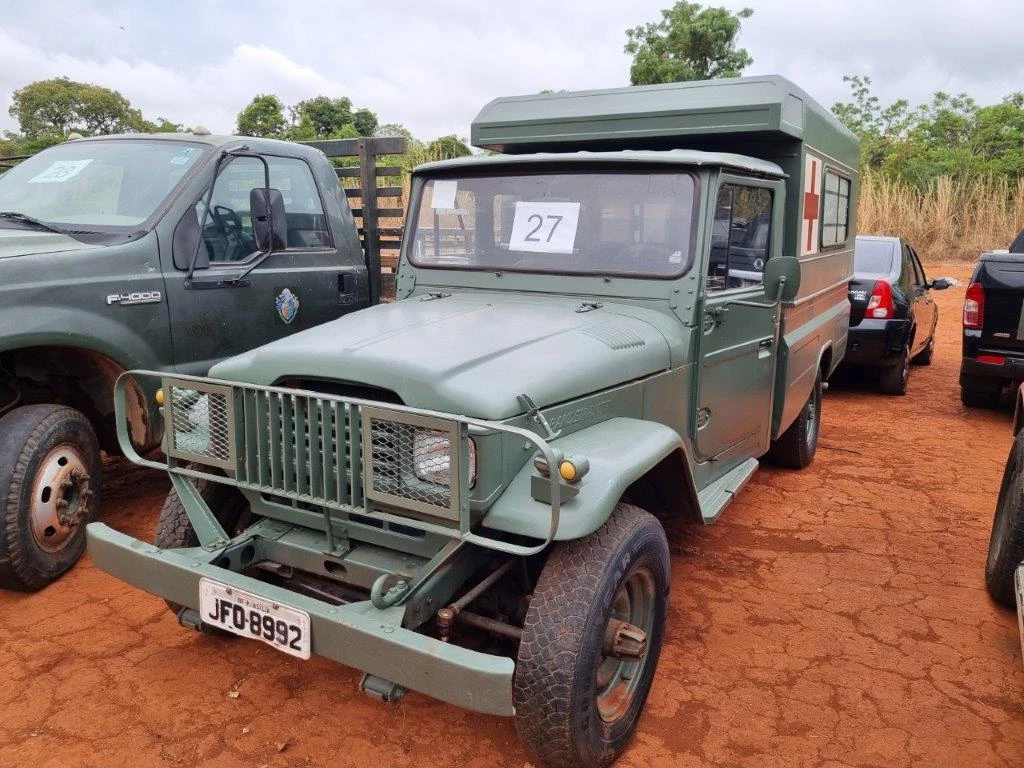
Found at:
(545, 227)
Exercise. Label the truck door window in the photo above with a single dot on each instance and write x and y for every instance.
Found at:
(836, 215)
(229, 232)
(740, 236)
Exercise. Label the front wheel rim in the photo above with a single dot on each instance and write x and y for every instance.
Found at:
(618, 680)
(61, 496)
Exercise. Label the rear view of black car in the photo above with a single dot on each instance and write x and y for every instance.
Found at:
(892, 314)
(993, 343)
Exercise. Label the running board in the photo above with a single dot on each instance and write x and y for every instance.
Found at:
(717, 496)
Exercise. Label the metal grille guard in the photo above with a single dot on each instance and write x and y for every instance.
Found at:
(320, 449)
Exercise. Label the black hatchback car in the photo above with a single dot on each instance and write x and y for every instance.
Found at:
(892, 314)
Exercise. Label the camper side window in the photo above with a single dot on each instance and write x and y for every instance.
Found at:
(836, 216)
(740, 235)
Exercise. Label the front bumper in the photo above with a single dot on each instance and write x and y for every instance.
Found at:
(358, 635)
(1018, 586)
(876, 342)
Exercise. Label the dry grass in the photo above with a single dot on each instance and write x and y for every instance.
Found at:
(949, 220)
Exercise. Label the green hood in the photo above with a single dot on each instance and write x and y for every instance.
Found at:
(21, 242)
(470, 354)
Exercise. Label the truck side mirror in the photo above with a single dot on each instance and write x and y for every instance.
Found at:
(781, 278)
(269, 225)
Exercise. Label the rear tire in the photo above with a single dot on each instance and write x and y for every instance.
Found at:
(924, 357)
(576, 705)
(984, 396)
(50, 472)
(1006, 544)
(893, 379)
(796, 446)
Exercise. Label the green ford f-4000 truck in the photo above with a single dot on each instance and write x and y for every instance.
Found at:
(102, 269)
(456, 492)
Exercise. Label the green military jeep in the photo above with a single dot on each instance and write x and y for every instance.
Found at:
(456, 492)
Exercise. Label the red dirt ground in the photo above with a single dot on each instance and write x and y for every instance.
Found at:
(835, 617)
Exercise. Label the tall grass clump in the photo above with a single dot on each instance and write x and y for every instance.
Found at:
(946, 220)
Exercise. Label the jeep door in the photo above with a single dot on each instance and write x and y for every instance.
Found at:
(296, 288)
(738, 344)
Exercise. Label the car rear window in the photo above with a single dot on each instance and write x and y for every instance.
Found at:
(873, 258)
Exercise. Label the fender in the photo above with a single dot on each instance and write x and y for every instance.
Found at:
(620, 451)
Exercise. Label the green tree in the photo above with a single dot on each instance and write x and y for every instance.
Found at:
(365, 122)
(264, 117)
(881, 129)
(48, 110)
(690, 42)
(323, 114)
(447, 147)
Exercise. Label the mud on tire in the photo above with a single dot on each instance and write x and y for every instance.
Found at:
(564, 716)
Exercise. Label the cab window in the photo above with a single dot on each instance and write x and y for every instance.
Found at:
(228, 231)
(740, 236)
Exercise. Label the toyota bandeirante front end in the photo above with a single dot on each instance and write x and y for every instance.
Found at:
(456, 493)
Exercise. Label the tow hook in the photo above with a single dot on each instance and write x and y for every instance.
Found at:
(189, 618)
(381, 689)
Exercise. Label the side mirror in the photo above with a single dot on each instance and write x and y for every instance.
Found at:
(269, 225)
(781, 279)
(940, 285)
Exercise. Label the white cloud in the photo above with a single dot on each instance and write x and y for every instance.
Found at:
(432, 66)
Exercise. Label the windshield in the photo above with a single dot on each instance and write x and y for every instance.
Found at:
(97, 186)
(873, 258)
(573, 222)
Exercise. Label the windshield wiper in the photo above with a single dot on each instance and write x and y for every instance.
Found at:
(26, 219)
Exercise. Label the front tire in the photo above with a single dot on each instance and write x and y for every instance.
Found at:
(1006, 544)
(49, 490)
(796, 447)
(583, 672)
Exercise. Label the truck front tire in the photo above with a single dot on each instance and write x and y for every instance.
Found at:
(174, 530)
(49, 490)
(1006, 544)
(796, 446)
(581, 677)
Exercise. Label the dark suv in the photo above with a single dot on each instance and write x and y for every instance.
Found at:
(892, 315)
(993, 342)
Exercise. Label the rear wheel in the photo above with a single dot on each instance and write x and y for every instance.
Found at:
(981, 393)
(1006, 544)
(893, 379)
(591, 642)
(796, 446)
(49, 490)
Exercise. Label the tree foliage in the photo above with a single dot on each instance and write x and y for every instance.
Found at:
(951, 135)
(690, 42)
(48, 110)
(263, 117)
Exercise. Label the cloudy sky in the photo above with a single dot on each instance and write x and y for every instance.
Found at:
(431, 64)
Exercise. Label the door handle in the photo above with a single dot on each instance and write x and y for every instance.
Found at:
(766, 344)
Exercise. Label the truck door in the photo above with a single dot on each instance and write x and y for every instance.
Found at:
(293, 289)
(738, 343)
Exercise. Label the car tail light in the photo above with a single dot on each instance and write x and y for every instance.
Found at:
(974, 306)
(880, 304)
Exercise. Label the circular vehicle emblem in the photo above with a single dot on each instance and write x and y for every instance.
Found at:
(759, 264)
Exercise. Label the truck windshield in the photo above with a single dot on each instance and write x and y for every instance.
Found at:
(97, 186)
(570, 222)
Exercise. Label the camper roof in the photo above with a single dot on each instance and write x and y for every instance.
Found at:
(673, 115)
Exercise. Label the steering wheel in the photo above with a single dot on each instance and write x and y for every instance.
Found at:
(230, 225)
